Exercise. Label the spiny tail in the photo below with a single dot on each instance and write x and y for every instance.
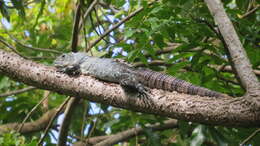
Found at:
(158, 80)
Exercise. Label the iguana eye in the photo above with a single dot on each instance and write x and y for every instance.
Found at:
(63, 55)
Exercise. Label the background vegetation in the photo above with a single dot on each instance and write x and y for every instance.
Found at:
(177, 37)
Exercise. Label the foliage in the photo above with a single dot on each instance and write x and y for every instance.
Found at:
(14, 139)
(184, 26)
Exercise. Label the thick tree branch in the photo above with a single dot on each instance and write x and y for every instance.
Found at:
(235, 48)
(212, 111)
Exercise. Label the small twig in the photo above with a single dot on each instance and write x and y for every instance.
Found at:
(153, 63)
(211, 26)
(228, 80)
(75, 31)
(39, 58)
(92, 5)
(93, 26)
(29, 114)
(229, 69)
(18, 53)
(29, 127)
(165, 50)
(250, 137)
(107, 18)
(84, 118)
(85, 38)
(63, 134)
(127, 134)
(250, 12)
(52, 119)
(17, 91)
(116, 26)
(99, 23)
(12, 48)
(82, 22)
(45, 103)
(53, 136)
(94, 125)
(108, 6)
(33, 48)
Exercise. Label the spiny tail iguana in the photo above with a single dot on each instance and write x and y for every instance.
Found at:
(115, 71)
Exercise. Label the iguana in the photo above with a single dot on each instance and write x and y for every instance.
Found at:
(113, 70)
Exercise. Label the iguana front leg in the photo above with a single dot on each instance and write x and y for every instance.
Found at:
(72, 70)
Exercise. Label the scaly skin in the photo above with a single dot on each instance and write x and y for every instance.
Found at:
(115, 71)
(103, 69)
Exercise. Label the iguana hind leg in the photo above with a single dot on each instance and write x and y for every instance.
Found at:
(130, 82)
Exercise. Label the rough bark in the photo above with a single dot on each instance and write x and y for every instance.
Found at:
(235, 48)
(206, 110)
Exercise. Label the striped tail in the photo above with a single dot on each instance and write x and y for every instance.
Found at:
(159, 80)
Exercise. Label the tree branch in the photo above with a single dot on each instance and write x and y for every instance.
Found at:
(17, 91)
(66, 121)
(90, 141)
(122, 136)
(241, 62)
(127, 134)
(29, 127)
(75, 30)
(206, 110)
(116, 26)
(11, 47)
(57, 112)
(229, 69)
(32, 110)
(250, 12)
(33, 48)
(86, 14)
(249, 137)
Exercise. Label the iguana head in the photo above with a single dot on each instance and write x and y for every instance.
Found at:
(69, 59)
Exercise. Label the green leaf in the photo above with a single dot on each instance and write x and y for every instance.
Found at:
(158, 39)
(4, 10)
(198, 136)
(220, 139)
(18, 4)
(176, 67)
(4, 82)
(242, 4)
